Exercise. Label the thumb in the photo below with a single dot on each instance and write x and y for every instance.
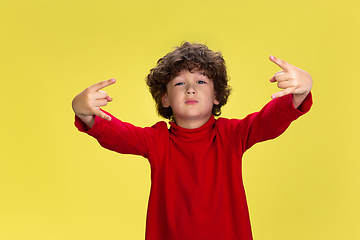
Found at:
(103, 115)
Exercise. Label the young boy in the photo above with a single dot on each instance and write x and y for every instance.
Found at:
(197, 190)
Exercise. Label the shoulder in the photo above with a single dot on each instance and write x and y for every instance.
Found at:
(160, 125)
(227, 124)
(160, 128)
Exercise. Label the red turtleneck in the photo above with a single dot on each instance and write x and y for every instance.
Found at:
(197, 189)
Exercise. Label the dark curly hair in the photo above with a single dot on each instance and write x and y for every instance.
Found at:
(191, 57)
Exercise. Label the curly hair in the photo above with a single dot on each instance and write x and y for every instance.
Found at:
(190, 57)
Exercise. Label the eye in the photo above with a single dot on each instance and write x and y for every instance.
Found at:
(179, 84)
(201, 82)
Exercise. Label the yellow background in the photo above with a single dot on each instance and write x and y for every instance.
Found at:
(57, 183)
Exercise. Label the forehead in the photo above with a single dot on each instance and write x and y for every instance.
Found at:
(185, 73)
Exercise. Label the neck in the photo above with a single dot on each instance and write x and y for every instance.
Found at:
(191, 123)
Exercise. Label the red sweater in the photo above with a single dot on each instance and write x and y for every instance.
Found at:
(197, 189)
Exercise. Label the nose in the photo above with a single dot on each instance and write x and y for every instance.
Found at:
(190, 91)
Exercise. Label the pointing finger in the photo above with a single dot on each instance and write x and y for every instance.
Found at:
(103, 84)
(281, 63)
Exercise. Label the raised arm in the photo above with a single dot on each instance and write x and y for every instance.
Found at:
(292, 80)
(87, 103)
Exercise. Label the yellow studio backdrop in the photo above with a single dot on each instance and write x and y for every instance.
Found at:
(58, 183)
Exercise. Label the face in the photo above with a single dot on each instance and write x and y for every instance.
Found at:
(191, 96)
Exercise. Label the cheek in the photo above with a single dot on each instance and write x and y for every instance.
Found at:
(173, 99)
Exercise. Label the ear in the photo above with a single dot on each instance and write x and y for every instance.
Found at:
(165, 101)
(216, 101)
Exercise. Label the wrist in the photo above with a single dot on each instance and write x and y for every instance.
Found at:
(88, 120)
(299, 98)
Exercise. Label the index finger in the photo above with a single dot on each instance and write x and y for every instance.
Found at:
(281, 63)
(103, 84)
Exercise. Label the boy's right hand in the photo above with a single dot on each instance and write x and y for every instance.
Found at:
(87, 103)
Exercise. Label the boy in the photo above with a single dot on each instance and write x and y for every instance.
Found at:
(197, 190)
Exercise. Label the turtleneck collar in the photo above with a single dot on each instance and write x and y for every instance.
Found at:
(195, 134)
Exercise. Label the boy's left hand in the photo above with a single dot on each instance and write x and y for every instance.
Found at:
(292, 80)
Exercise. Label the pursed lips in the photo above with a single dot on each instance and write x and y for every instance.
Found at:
(191, 101)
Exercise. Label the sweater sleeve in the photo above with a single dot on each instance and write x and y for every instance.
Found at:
(123, 137)
(270, 122)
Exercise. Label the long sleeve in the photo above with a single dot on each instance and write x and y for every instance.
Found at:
(270, 122)
(123, 137)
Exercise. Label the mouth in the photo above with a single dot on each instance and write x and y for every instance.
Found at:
(191, 101)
